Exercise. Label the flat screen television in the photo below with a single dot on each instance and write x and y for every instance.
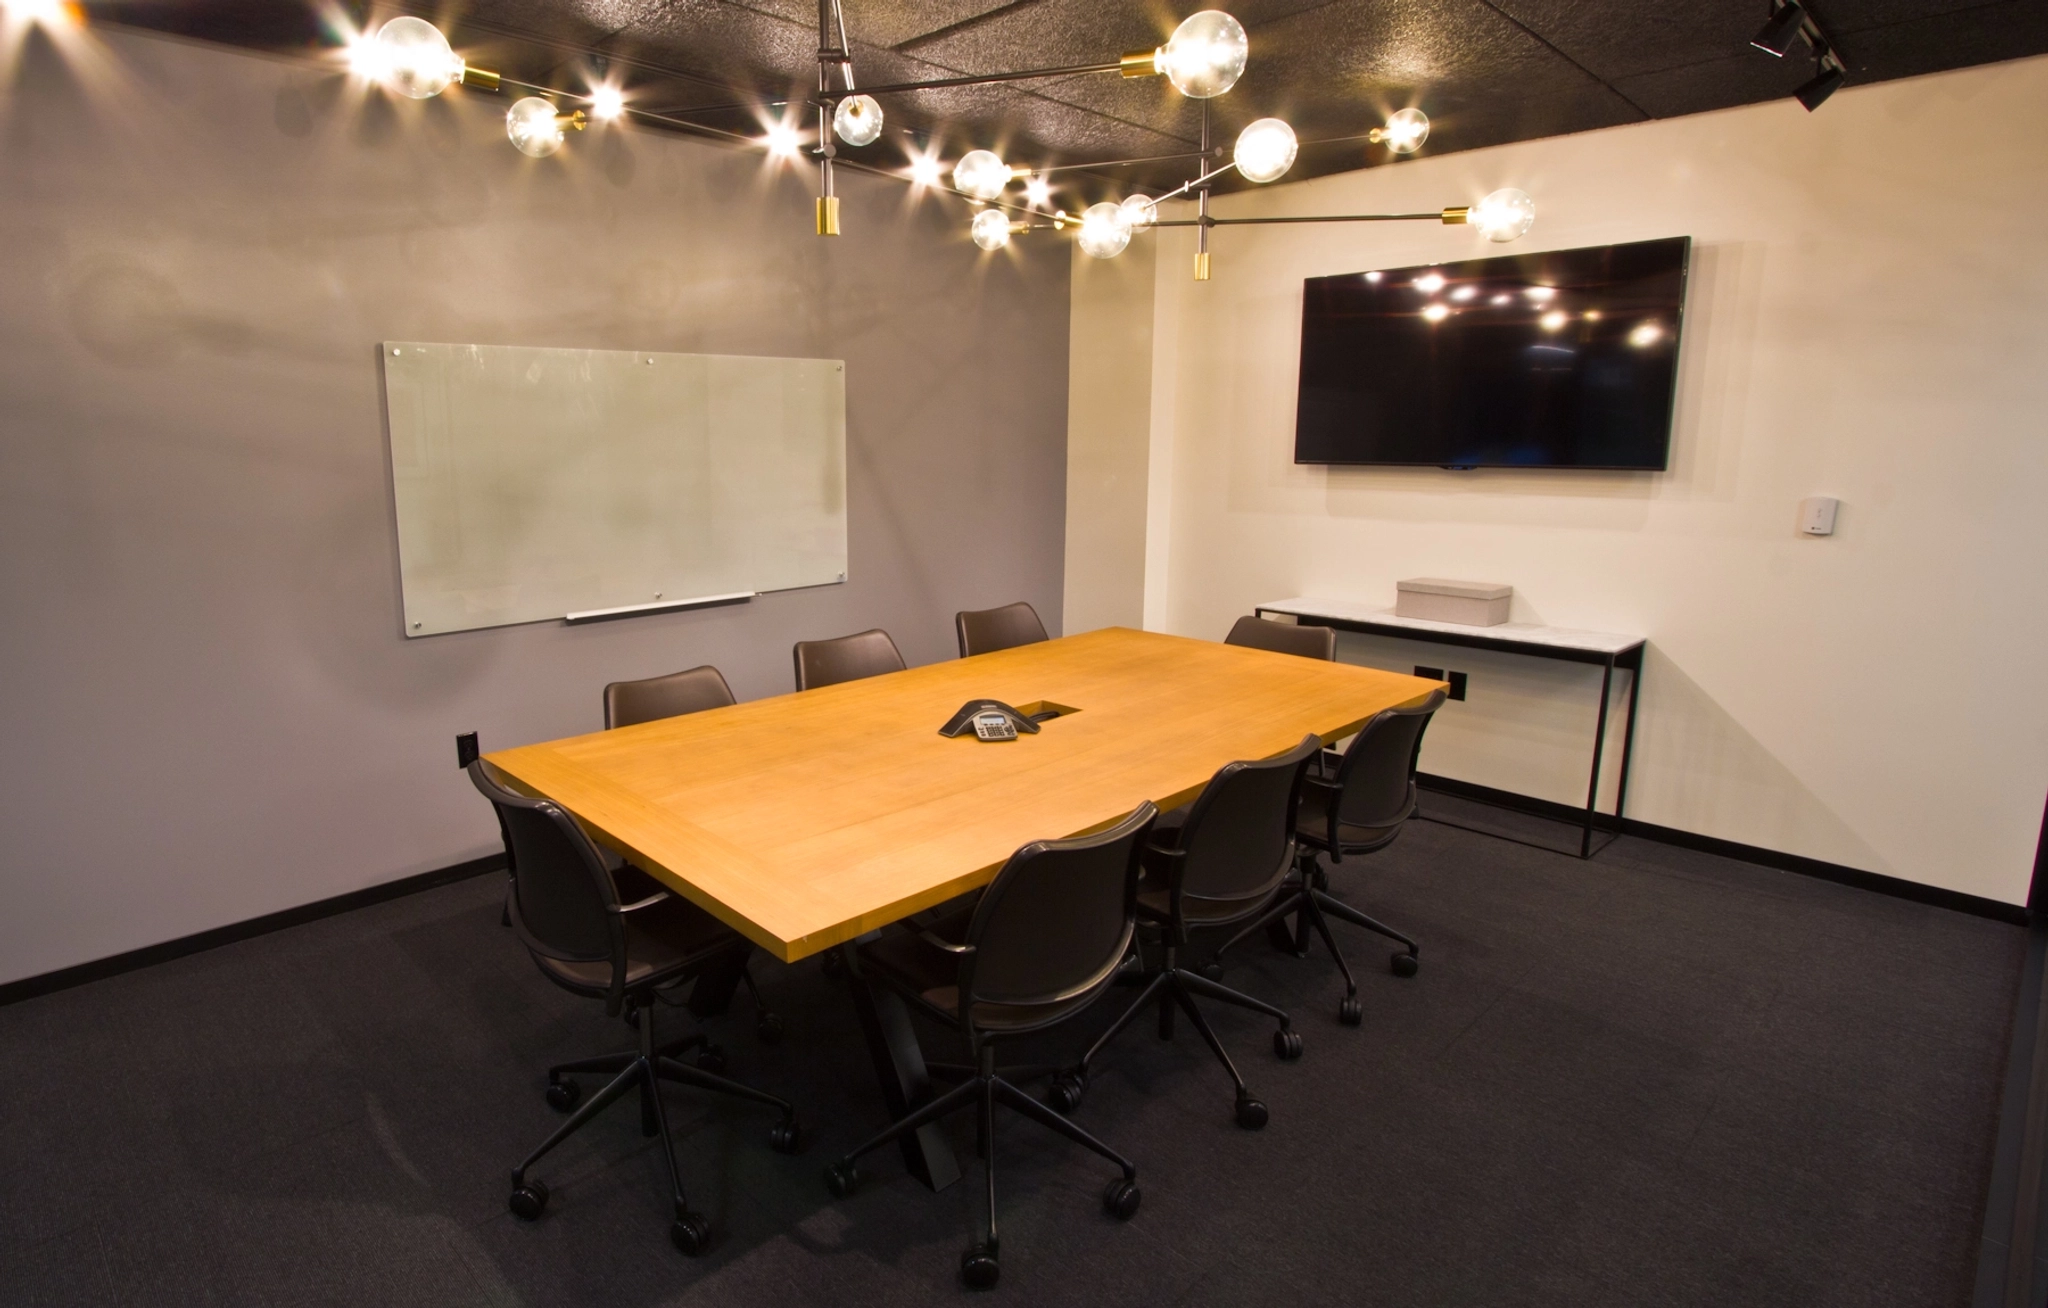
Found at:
(1566, 359)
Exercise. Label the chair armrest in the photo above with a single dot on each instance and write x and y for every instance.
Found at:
(1312, 782)
(937, 941)
(639, 904)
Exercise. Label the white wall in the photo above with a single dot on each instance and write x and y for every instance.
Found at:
(207, 708)
(1868, 318)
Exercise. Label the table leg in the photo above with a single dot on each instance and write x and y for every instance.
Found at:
(1599, 743)
(899, 1065)
(1628, 737)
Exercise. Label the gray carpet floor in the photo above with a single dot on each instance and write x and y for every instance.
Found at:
(1657, 1078)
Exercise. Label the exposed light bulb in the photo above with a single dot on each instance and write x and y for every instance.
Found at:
(1265, 150)
(1429, 283)
(1463, 293)
(1436, 313)
(1504, 215)
(926, 170)
(1205, 55)
(413, 58)
(1554, 320)
(981, 174)
(1404, 133)
(50, 13)
(534, 127)
(1646, 334)
(1037, 191)
(990, 229)
(784, 140)
(857, 120)
(1540, 293)
(1141, 210)
(1105, 230)
(607, 102)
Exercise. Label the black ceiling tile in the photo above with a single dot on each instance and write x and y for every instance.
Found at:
(1617, 41)
(1839, 16)
(1746, 78)
(1982, 35)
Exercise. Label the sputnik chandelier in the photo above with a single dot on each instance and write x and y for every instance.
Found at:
(1203, 59)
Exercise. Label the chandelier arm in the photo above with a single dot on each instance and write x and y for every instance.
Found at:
(979, 79)
(1321, 218)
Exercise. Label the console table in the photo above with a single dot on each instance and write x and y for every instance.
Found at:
(1604, 649)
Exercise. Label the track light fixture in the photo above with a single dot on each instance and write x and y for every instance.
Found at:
(1203, 59)
(1780, 30)
(1791, 21)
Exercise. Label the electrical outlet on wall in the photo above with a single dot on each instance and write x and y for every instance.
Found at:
(1817, 515)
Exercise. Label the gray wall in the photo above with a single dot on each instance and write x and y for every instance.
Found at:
(208, 711)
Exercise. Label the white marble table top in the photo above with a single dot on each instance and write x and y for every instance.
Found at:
(1525, 633)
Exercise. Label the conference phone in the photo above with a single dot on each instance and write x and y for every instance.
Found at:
(989, 719)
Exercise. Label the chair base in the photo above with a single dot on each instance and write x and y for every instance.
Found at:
(645, 1069)
(1172, 988)
(984, 1088)
(1311, 905)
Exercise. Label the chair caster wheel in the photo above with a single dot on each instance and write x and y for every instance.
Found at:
(1213, 969)
(768, 1028)
(1251, 1113)
(712, 1060)
(1350, 1013)
(786, 1137)
(842, 1179)
(1280, 935)
(1405, 964)
(691, 1233)
(1121, 1199)
(1064, 1094)
(1287, 1045)
(979, 1268)
(562, 1095)
(529, 1201)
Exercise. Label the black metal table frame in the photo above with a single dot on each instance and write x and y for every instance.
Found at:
(1629, 659)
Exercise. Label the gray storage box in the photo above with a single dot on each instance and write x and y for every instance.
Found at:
(1432, 599)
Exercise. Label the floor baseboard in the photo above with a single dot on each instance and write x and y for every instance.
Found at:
(1896, 887)
(114, 965)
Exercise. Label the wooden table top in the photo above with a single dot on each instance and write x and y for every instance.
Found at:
(808, 819)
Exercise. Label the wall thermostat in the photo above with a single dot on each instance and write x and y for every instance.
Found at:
(1817, 515)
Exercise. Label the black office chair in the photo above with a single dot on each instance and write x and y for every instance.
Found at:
(1255, 632)
(984, 631)
(1035, 949)
(845, 658)
(1355, 811)
(1222, 865)
(587, 939)
(628, 703)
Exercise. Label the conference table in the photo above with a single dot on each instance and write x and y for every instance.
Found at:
(805, 821)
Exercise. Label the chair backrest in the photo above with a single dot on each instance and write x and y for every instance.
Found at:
(846, 658)
(984, 631)
(1238, 840)
(563, 900)
(1058, 918)
(1376, 780)
(627, 703)
(1255, 632)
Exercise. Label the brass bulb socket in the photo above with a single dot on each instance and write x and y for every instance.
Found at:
(483, 79)
(1376, 135)
(1457, 213)
(828, 215)
(575, 122)
(1139, 63)
(1202, 266)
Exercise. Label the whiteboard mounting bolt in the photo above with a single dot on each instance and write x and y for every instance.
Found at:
(657, 594)
(394, 354)
(416, 626)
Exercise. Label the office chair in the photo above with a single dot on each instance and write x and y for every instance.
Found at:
(628, 703)
(1255, 632)
(846, 658)
(984, 631)
(1358, 810)
(1038, 946)
(587, 939)
(1222, 865)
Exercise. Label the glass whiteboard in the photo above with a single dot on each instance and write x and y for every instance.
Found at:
(534, 484)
